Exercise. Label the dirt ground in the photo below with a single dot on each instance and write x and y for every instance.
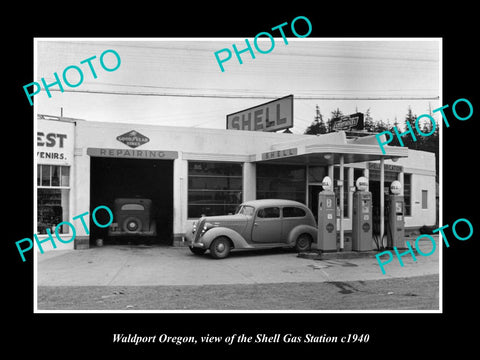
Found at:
(413, 293)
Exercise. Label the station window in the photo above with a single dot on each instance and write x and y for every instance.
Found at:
(214, 188)
(424, 199)
(358, 173)
(281, 182)
(53, 190)
(316, 174)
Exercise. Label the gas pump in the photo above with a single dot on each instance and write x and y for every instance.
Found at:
(362, 217)
(396, 217)
(327, 220)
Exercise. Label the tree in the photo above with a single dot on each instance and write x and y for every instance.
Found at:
(381, 126)
(368, 123)
(318, 125)
(423, 143)
(407, 140)
(335, 115)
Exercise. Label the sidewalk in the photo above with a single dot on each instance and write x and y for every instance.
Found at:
(124, 265)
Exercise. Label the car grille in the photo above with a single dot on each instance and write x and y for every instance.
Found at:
(200, 223)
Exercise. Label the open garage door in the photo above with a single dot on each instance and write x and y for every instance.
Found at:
(137, 179)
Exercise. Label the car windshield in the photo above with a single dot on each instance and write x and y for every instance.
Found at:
(245, 210)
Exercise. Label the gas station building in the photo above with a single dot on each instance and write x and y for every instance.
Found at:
(187, 172)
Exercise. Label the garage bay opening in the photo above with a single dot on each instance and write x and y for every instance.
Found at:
(140, 194)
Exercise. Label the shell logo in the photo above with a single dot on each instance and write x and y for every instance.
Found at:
(396, 187)
(362, 183)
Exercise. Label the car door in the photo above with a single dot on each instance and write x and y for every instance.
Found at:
(267, 226)
(292, 216)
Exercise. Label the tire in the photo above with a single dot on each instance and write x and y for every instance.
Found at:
(197, 251)
(220, 248)
(132, 225)
(303, 243)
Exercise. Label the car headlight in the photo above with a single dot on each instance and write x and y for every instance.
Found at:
(194, 228)
(205, 228)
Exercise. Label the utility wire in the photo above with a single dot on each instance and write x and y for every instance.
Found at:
(300, 97)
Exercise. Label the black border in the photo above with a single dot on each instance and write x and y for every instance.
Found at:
(87, 334)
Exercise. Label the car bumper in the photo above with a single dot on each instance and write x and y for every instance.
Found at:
(198, 244)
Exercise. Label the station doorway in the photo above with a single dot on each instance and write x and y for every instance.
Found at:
(313, 191)
(113, 178)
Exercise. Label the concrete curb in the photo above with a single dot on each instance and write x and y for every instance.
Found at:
(348, 254)
(337, 255)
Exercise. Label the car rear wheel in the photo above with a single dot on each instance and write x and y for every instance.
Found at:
(304, 243)
(220, 248)
(197, 251)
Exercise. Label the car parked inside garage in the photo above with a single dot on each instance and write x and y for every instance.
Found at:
(133, 217)
(256, 224)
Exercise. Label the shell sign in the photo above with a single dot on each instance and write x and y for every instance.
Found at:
(271, 116)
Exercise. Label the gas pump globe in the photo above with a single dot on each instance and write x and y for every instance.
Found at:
(396, 187)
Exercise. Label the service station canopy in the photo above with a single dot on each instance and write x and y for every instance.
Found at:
(327, 150)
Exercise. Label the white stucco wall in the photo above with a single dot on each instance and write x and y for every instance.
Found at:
(216, 145)
(422, 167)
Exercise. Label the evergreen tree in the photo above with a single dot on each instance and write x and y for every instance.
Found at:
(368, 123)
(408, 138)
(423, 143)
(395, 123)
(318, 125)
(335, 115)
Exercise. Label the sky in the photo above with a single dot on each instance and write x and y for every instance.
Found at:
(178, 82)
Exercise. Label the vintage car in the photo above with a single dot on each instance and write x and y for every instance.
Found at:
(256, 224)
(132, 217)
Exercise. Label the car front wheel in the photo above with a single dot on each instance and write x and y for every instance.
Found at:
(304, 243)
(197, 251)
(220, 248)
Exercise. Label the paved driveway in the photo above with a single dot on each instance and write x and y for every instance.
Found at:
(123, 265)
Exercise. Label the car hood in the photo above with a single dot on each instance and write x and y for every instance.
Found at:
(237, 223)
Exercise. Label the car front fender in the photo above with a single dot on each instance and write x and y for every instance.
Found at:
(302, 229)
(237, 240)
